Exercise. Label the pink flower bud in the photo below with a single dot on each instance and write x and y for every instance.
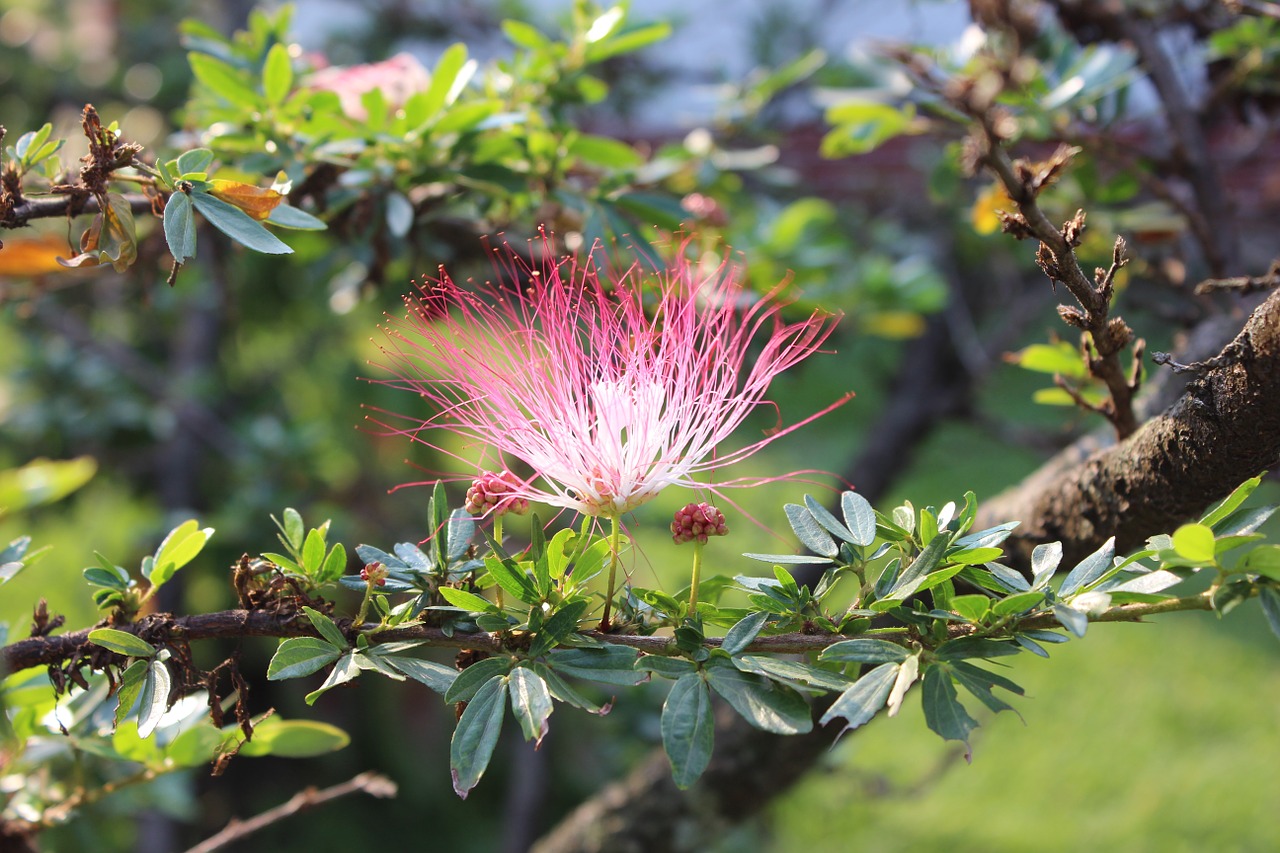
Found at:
(493, 493)
(698, 522)
(375, 573)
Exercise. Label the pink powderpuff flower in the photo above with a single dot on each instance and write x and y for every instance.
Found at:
(610, 390)
(397, 77)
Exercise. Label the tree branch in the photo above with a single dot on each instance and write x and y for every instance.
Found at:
(373, 784)
(1223, 430)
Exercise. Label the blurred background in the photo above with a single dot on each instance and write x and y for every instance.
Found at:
(238, 392)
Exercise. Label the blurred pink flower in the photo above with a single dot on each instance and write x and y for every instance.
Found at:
(397, 77)
(608, 403)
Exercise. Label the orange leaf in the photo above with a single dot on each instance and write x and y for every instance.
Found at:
(255, 201)
(23, 256)
(117, 244)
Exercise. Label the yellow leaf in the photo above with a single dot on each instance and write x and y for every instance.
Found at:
(992, 199)
(24, 256)
(255, 201)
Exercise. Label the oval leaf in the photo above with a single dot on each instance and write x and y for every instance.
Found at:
(688, 729)
(477, 734)
(122, 643)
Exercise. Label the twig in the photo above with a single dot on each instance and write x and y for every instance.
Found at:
(68, 205)
(1243, 283)
(373, 784)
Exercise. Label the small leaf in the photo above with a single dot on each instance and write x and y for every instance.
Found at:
(180, 227)
(864, 698)
(154, 699)
(530, 702)
(667, 667)
(864, 651)
(767, 705)
(277, 74)
(197, 160)
(744, 632)
(1194, 542)
(122, 642)
(859, 517)
(1270, 601)
(943, 712)
(287, 216)
(468, 601)
(300, 656)
(294, 739)
(1092, 568)
(688, 729)
(471, 679)
(238, 225)
(810, 532)
(608, 665)
(908, 671)
(558, 626)
(326, 627)
(1073, 620)
(343, 671)
(131, 681)
(477, 734)
(257, 202)
(1044, 562)
(435, 675)
(1232, 502)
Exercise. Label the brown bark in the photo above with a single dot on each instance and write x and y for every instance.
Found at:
(1224, 429)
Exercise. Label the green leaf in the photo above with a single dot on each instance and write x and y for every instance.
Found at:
(1194, 542)
(1092, 568)
(864, 698)
(195, 746)
(688, 729)
(1071, 619)
(513, 578)
(864, 651)
(608, 665)
(313, 552)
(468, 601)
(979, 682)
(277, 74)
(334, 565)
(530, 702)
(859, 517)
(627, 42)
(604, 151)
(475, 676)
(972, 608)
(154, 698)
(287, 216)
(238, 225)
(767, 705)
(975, 647)
(526, 36)
(326, 627)
(291, 529)
(195, 161)
(437, 676)
(558, 626)
(42, 481)
(180, 227)
(222, 80)
(179, 548)
(1269, 598)
(927, 561)
(477, 734)
(1232, 502)
(1062, 358)
(1044, 562)
(974, 556)
(943, 712)
(343, 671)
(1017, 603)
(781, 669)
(667, 667)
(810, 532)
(1243, 521)
(131, 681)
(300, 656)
(294, 739)
(744, 632)
(122, 642)
(862, 126)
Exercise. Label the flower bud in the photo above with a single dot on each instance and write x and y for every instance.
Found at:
(375, 573)
(698, 521)
(492, 493)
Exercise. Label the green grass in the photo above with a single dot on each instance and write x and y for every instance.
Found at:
(1139, 737)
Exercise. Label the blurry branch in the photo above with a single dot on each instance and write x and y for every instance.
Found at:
(1244, 283)
(1192, 159)
(1261, 8)
(373, 784)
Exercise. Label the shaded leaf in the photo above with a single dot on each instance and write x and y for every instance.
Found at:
(688, 729)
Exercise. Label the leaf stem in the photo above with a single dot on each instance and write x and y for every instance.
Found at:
(615, 537)
(697, 574)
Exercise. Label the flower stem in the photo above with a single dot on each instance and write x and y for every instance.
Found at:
(497, 537)
(697, 574)
(614, 541)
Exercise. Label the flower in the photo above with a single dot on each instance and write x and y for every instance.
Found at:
(698, 522)
(490, 493)
(397, 77)
(609, 403)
